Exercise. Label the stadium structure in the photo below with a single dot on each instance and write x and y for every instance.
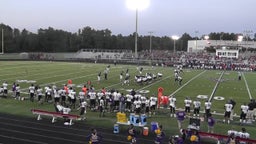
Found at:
(224, 48)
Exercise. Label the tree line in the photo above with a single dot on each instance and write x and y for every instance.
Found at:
(56, 40)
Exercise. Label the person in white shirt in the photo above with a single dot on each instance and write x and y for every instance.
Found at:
(32, 92)
(243, 134)
(143, 103)
(147, 105)
(72, 96)
(129, 102)
(207, 106)
(82, 109)
(244, 111)
(197, 105)
(102, 107)
(137, 104)
(39, 93)
(153, 102)
(56, 94)
(172, 104)
(5, 89)
(48, 92)
(92, 95)
(187, 103)
(17, 96)
(228, 107)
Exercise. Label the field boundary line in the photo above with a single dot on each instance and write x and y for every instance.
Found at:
(216, 85)
(247, 87)
(187, 82)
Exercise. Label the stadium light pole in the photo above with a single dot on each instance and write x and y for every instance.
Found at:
(137, 5)
(2, 41)
(150, 41)
(196, 32)
(174, 37)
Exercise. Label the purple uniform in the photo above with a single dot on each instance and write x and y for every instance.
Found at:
(180, 115)
(211, 121)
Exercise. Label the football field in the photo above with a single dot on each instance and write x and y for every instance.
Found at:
(215, 85)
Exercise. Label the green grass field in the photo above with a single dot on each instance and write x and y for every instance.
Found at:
(195, 82)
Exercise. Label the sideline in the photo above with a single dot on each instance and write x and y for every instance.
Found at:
(247, 87)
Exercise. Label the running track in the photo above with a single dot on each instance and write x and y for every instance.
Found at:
(24, 130)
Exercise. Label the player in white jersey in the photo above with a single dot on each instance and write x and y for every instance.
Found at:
(127, 79)
(129, 102)
(207, 106)
(172, 105)
(56, 94)
(17, 96)
(121, 76)
(48, 92)
(228, 107)
(98, 77)
(243, 134)
(82, 108)
(244, 111)
(137, 104)
(147, 106)
(81, 96)
(187, 103)
(143, 103)
(31, 90)
(92, 95)
(72, 96)
(5, 89)
(197, 105)
(39, 93)
(153, 102)
(102, 107)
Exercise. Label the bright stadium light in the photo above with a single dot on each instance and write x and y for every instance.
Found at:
(240, 38)
(206, 37)
(174, 37)
(137, 5)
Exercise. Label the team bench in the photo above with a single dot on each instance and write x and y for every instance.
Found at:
(55, 115)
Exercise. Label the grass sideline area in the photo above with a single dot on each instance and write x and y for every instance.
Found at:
(195, 82)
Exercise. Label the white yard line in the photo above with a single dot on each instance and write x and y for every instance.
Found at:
(188, 82)
(247, 87)
(216, 85)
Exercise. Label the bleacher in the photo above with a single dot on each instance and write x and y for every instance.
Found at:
(101, 54)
